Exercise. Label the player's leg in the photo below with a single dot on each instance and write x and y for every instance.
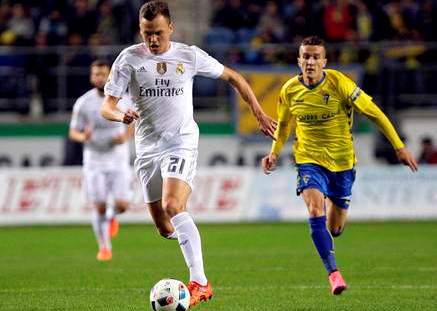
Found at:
(174, 200)
(178, 169)
(322, 239)
(313, 184)
(336, 217)
(101, 231)
(338, 201)
(148, 170)
(161, 220)
(96, 192)
(120, 187)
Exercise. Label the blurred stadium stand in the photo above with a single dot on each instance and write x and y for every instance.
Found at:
(47, 46)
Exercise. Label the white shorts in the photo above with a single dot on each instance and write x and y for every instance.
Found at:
(102, 184)
(175, 163)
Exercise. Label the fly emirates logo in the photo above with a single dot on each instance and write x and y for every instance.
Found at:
(162, 88)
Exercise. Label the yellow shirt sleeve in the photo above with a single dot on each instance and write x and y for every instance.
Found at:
(286, 124)
(364, 105)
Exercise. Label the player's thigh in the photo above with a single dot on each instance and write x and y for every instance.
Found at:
(95, 186)
(148, 170)
(314, 200)
(175, 194)
(336, 218)
(312, 181)
(121, 188)
(160, 218)
(339, 194)
(178, 169)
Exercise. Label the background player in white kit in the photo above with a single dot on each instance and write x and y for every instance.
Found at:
(105, 157)
(159, 74)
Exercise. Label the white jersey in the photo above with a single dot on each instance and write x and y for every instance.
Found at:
(99, 151)
(161, 89)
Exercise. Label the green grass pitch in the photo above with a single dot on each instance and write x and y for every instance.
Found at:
(253, 267)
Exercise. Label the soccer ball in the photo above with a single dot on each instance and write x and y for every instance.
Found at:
(169, 295)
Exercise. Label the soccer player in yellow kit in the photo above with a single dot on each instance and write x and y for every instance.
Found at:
(317, 106)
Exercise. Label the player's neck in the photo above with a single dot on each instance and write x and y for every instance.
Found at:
(165, 50)
(100, 92)
(312, 81)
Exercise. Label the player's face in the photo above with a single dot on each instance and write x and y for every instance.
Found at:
(156, 33)
(311, 61)
(98, 76)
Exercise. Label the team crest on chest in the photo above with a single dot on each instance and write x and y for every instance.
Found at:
(161, 68)
(180, 68)
(325, 97)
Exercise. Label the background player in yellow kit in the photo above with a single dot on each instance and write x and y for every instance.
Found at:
(318, 105)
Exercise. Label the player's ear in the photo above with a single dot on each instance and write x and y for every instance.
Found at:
(171, 27)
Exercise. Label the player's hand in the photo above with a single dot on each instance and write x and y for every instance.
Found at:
(267, 125)
(129, 116)
(268, 163)
(120, 139)
(406, 158)
(87, 132)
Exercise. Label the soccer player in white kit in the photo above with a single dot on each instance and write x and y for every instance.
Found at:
(106, 167)
(159, 74)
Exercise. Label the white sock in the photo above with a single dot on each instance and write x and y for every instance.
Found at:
(101, 230)
(106, 235)
(110, 211)
(191, 246)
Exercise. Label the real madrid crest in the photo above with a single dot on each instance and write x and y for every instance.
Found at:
(161, 68)
(180, 68)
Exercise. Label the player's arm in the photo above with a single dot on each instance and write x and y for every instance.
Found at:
(267, 124)
(286, 125)
(120, 139)
(111, 112)
(79, 131)
(79, 136)
(364, 104)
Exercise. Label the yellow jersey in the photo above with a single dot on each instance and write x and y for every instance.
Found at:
(321, 117)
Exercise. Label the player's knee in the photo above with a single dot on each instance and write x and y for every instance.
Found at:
(122, 207)
(171, 206)
(101, 209)
(316, 211)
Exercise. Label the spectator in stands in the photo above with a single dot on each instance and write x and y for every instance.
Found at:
(428, 21)
(42, 65)
(363, 21)
(410, 15)
(338, 20)
(75, 59)
(21, 25)
(54, 27)
(82, 19)
(253, 11)
(5, 13)
(381, 26)
(301, 19)
(428, 154)
(126, 14)
(229, 15)
(271, 22)
(107, 26)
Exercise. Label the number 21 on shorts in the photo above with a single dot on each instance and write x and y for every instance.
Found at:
(176, 165)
